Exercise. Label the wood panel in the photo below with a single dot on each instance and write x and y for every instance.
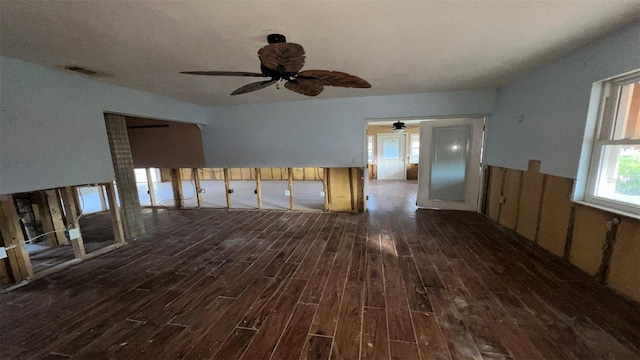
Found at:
(554, 216)
(511, 197)
(589, 236)
(624, 274)
(530, 201)
(496, 178)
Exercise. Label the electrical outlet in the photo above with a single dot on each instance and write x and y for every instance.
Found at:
(322, 193)
(287, 192)
(230, 191)
(74, 234)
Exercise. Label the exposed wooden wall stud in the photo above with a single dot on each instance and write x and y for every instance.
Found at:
(19, 261)
(290, 173)
(195, 175)
(227, 187)
(152, 191)
(325, 185)
(73, 221)
(259, 187)
(55, 210)
(176, 184)
(116, 221)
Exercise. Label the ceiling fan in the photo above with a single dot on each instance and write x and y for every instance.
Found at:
(282, 61)
(399, 126)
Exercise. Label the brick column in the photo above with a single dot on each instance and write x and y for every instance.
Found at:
(125, 177)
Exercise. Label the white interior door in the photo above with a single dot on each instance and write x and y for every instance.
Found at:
(449, 170)
(390, 159)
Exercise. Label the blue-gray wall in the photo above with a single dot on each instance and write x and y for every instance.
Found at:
(52, 130)
(544, 114)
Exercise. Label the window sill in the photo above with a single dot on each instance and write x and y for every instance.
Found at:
(608, 209)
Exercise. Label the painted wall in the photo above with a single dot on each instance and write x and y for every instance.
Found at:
(52, 130)
(543, 115)
(324, 133)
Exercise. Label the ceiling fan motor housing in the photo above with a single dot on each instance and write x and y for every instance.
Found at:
(276, 38)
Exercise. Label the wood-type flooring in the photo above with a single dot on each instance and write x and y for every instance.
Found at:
(395, 283)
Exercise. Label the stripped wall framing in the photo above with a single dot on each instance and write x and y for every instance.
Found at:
(538, 207)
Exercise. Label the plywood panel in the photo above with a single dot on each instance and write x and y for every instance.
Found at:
(339, 189)
(496, 176)
(589, 235)
(554, 215)
(511, 193)
(529, 208)
(624, 273)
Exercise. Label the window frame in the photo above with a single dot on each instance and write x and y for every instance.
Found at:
(604, 136)
(371, 140)
(411, 135)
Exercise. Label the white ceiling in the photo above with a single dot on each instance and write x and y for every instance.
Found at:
(398, 46)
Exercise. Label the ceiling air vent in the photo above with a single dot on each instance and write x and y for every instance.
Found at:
(86, 71)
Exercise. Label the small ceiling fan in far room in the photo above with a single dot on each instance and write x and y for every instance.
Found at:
(282, 61)
(399, 126)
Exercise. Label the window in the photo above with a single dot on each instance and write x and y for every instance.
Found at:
(370, 149)
(415, 148)
(614, 174)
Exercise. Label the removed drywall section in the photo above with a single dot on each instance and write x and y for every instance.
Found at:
(543, 114)
(511, 198)
(624, 273)
(530, 201)
(53, 133)
(345, 189)
(589, 235)
(555, 215)
(324, 133)
(496, 179)
(603, 244)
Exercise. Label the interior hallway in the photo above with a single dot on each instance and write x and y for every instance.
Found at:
(393, 283)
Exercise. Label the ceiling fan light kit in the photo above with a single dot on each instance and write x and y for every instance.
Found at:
(282, 61)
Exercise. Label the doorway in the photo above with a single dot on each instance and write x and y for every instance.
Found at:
(450, 158)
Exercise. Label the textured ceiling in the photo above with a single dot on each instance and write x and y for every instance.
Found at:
(399, 47)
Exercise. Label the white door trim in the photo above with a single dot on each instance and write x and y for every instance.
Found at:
(473, 171)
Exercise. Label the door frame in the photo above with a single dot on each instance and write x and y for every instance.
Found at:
(483, 166)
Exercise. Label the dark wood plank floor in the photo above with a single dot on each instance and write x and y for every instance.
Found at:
(392, 284)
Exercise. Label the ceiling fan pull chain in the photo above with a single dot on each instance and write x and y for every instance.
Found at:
(278, 84)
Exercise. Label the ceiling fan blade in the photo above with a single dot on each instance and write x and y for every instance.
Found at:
(253, 87)
(223, 73)
(309, 87)
(335, 78)
(282, 57)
